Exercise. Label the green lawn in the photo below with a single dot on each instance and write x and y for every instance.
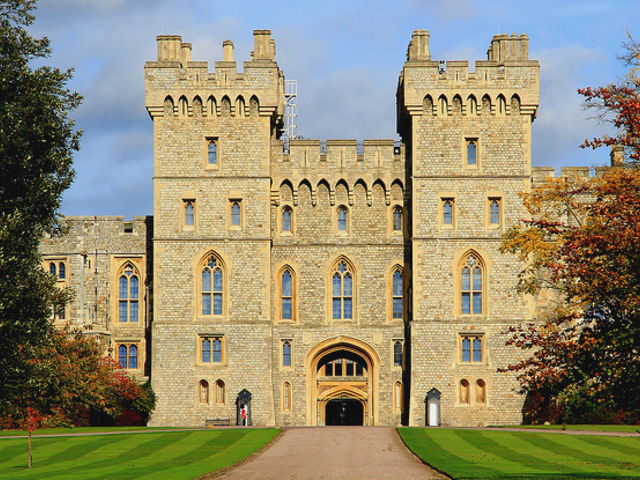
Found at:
(487, 455)
(171, 455)
(50, 431)
(597, 428)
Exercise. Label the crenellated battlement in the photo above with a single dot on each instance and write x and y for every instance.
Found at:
(540, 174)
(175, 85)
(338, 154)
(506, 83)
(334, 162)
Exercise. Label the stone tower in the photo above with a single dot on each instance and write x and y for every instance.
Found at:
(468, 140)
(212, 149)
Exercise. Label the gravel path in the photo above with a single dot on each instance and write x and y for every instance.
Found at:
(334, 453)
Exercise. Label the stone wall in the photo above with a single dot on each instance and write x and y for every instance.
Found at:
(94, 251)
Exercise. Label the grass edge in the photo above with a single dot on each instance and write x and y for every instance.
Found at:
(413, 454)
(223, 470)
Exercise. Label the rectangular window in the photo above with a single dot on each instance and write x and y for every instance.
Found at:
(471, 348)
(349, 368)
(397, 353)
(286, 354)
(123, 311)
(328, 369)
(211, 349)
(133, 311)
(217, 350)
(206, 304)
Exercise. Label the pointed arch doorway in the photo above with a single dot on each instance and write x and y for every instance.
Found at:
(342, 383)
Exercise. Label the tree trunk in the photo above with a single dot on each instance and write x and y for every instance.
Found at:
(29, 448)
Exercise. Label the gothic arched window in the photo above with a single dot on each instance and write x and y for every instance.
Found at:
(219, 392)
(471, 152)
(447, 212)
(212, 153)
(397, 219)
(122, 356)
(286, 219)
(481, 391)
(212, 290)
(286, 397)
(189, 213)
(62, 271)
(235, 213)
(397, 297)
(128, 294)
(464, 391)
(494, 211)
(203, 392)
(471, 286)
(342, 219)
(342, 288)
(127, 356)
(286, 295)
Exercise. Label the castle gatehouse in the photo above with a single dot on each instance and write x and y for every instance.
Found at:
(311, 282)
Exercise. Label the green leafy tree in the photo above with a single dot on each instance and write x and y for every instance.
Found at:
(582, 242)
(37, 139)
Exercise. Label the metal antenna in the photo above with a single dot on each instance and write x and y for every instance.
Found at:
(290, 108)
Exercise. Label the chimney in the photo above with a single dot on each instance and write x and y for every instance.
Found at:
(168, 47)
(617, 156)
(185, 54)
(419, 46)
(263, 45)
(227, 51)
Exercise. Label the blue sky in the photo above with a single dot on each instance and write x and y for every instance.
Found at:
(346, 56)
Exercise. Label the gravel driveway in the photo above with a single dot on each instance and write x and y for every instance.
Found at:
(334, 452)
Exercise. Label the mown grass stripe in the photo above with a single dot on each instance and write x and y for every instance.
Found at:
(74, 451)
(425, 445)
(129, 446)
(184, 455)
(521, 455)
(167, 445)
(578, 456)
(190, 463)
(55, 454)
(616, 444)
(524, 460)
(198, 455)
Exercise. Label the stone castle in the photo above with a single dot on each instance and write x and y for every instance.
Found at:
(318, 282)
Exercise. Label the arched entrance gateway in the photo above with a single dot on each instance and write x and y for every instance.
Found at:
(342, 383)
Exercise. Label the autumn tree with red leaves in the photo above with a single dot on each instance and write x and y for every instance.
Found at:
(72, 383)
(582, 244)
(619, 104)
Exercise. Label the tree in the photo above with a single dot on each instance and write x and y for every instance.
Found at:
(72, 382)
(37, 139)
(582, 242)
(619, 105)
